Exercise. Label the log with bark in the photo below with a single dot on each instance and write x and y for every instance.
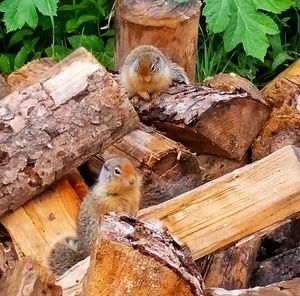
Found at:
(168, 169)
(288, 288)
(73, 112)
(237, 205)
(206, 120)
(284, 89)
(28, 278)
(167, 25)
(282, 129)
(131, 257)
(231, 269)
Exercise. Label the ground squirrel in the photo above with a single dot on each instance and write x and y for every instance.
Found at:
(118, 190)
(147, 72)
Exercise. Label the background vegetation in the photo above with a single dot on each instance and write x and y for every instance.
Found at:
(255, 38)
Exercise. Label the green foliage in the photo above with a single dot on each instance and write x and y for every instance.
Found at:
(35, 28)
(254, 38)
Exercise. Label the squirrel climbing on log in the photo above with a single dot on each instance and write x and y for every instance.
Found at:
(147, 72)
(117, 190)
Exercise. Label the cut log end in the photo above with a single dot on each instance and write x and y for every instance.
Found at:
(152, 260)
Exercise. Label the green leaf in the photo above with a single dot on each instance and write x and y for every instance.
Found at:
(108, 33)
(23, 53)
(17, 13)
(58, 52)
(249, 27)
(4, 64)
(92, 43)
(74, 23)
(217, 13)
(296, 3)
(82, 5)
(275, 6)
(19, 36)
(280, 59)
(47, 7)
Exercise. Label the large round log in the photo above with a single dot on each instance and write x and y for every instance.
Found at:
(206, 120)
(75, 111)
(171, 26)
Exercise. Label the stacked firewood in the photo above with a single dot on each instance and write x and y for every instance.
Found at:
(220, 165)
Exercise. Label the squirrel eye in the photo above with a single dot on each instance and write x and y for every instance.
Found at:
(117, 171)
(153, 68)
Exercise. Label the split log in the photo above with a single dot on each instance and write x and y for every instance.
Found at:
(29, 73)
(231, 269)
(75, 111)
(231, 82)
(282, 267)
(131, 257)
(28, 278)
(176, 24)
(36, 226)
(282, 129)
(5, 89)
(213, 167)
(207, 121)
(168, 169)
(239, 204)
(284, 89)
(288, 288)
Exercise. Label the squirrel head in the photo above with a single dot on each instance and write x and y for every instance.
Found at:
(119, 175)
(147, 65)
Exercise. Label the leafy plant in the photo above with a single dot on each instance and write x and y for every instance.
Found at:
(35, 28)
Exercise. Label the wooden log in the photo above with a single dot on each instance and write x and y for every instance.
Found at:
(29, 73)
(231, 82)
(36, 226)
(213, 167)
(176, 24)
(207, 121)
(231, 269)
(282, 267)
(131, 257)
(284, 88)
(75, 111)
(282, 129)
(234, 206)
(168, 169)
(28, 278)
(288, 288)
(5, 89)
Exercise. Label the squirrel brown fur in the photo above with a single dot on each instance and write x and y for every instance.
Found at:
(147, 72)
(118, 190)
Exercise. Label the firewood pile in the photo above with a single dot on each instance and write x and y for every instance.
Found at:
(221, 171)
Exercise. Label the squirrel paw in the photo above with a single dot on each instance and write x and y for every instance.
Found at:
(134, 100)
(145, 95)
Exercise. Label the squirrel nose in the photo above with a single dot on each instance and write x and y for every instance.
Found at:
(131, 180)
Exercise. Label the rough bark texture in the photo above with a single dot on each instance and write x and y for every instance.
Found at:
(285, 88)
(5, 89)
(231, 269)
(213, 167)
(131, 257)
(168, 169)
(282, 129)
(170, 26)
(289, 288)
(28, 278)
(235, 206)
(233, 82)
(75, 111)
(206, 120)
(282, 267)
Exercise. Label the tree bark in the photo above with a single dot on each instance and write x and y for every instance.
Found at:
(284, 89)
(234, 206)
(290, 288)
(131, 257)
(282, 129)
(206, 120)
(28, 278)
(75, 111)
(170, 26)
(168, 169)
